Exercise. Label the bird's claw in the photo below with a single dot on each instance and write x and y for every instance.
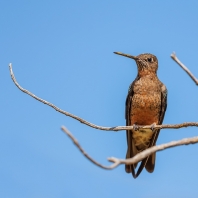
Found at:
(136, 127)
(153, 126)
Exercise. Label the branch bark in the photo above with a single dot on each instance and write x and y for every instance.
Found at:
(174, 57)
(115, 128)
(137, 158)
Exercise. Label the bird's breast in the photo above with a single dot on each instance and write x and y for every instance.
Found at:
(145, 109)
(146, 102)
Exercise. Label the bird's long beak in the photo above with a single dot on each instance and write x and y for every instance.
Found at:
(126, 55)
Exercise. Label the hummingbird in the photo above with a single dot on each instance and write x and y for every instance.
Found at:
(146, 104)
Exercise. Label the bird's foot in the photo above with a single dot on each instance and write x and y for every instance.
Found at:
(135, 127)
(153, 126)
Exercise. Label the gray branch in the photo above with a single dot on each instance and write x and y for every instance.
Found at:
(115, 128)
(137, 158)
(174, 57)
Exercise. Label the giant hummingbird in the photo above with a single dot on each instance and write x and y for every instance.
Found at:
(146, 104)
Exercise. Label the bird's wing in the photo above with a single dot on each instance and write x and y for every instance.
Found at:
(131, 151)
(149, 162)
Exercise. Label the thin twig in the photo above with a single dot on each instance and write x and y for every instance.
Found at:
(174, 57)
(137, 158)
(154, 149)
(75, 141)
(116, 128)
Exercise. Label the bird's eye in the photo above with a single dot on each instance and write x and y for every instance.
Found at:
(150, 60)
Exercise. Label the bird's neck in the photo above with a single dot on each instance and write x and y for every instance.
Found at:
(144, 73)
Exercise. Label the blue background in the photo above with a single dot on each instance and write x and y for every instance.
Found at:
(62, 51)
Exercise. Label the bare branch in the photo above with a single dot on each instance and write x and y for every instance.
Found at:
(116, 128)
(84, 153)
(154, 149)
(137, 158)
(174, 57)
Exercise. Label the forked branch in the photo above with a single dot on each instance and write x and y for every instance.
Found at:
(137, 158)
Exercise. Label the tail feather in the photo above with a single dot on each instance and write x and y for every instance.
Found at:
(150, 165)
(148, 162)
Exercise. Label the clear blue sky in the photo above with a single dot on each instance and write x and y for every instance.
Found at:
(62, 51)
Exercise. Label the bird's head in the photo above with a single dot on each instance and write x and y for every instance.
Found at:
(147, 63)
